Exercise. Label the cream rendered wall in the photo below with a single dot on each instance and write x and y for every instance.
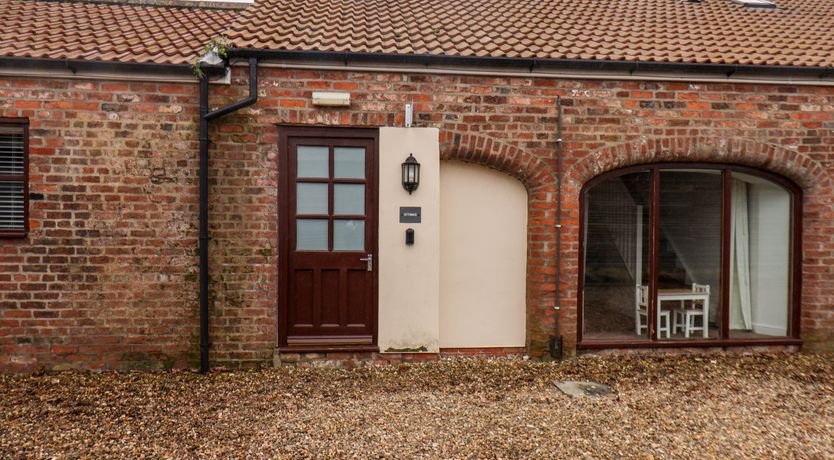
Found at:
(409, 276)
(483, 257)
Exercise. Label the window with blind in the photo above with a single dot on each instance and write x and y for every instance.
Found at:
(14, 162)
(689, 254)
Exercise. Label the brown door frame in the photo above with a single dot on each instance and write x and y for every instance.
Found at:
(795, 274)
(286, 132)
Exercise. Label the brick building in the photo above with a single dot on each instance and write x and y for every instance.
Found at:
(687, 204)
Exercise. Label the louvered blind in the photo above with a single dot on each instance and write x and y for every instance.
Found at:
(12, 178)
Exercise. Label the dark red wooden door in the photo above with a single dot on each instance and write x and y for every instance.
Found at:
(330, 210)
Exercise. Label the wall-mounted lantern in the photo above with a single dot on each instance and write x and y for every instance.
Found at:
(411, 174)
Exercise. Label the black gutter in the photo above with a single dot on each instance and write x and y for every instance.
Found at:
(205, 117)
(529, 64)
(78, 65)
(523, 64)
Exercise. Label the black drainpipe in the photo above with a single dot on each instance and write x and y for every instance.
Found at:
(556, 341)
(205, 117)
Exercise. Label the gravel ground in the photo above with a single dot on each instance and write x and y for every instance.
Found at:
(708, 406)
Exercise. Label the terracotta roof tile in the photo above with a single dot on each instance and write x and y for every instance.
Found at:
(797, 32)
(108, 32)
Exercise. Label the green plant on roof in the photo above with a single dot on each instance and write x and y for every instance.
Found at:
(218, 46)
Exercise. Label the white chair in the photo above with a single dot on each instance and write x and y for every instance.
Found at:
(641, 307)
(684, 316)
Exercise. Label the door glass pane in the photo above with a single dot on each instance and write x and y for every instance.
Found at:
(349, 199)
(349, 162)
(689, 256)
(313, 161)
(760, 241)
(616, 294)
(311, 234)
(311, 198)
(348, 235)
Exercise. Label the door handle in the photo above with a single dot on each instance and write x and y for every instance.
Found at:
(370, 261)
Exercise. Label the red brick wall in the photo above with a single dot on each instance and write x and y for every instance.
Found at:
(107, 277)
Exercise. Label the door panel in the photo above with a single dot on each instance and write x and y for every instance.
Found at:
(303, 290)
(357, 312)
(329, 222)
(330, 281)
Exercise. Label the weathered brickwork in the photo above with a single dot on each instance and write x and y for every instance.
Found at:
(107, 276)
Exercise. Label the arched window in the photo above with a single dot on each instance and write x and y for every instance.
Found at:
(689, 254)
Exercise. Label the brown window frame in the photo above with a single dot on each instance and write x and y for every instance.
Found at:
(724, 340)
(22, 178)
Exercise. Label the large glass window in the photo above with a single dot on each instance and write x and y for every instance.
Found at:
(689, 252)
(760, 262)
(674, 253)
(617, 257)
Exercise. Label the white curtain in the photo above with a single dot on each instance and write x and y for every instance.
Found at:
(740, 305)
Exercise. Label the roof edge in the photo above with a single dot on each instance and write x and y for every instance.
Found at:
(189, 4)
(532, 63)
(77, 66)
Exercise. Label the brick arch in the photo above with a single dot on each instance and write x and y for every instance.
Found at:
(802, 169)
(540, 182)
(811, 176)
(497, 154)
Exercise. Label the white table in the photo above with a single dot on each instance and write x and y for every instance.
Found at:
(666, 295)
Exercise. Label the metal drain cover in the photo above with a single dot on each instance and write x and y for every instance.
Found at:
(587, 389)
